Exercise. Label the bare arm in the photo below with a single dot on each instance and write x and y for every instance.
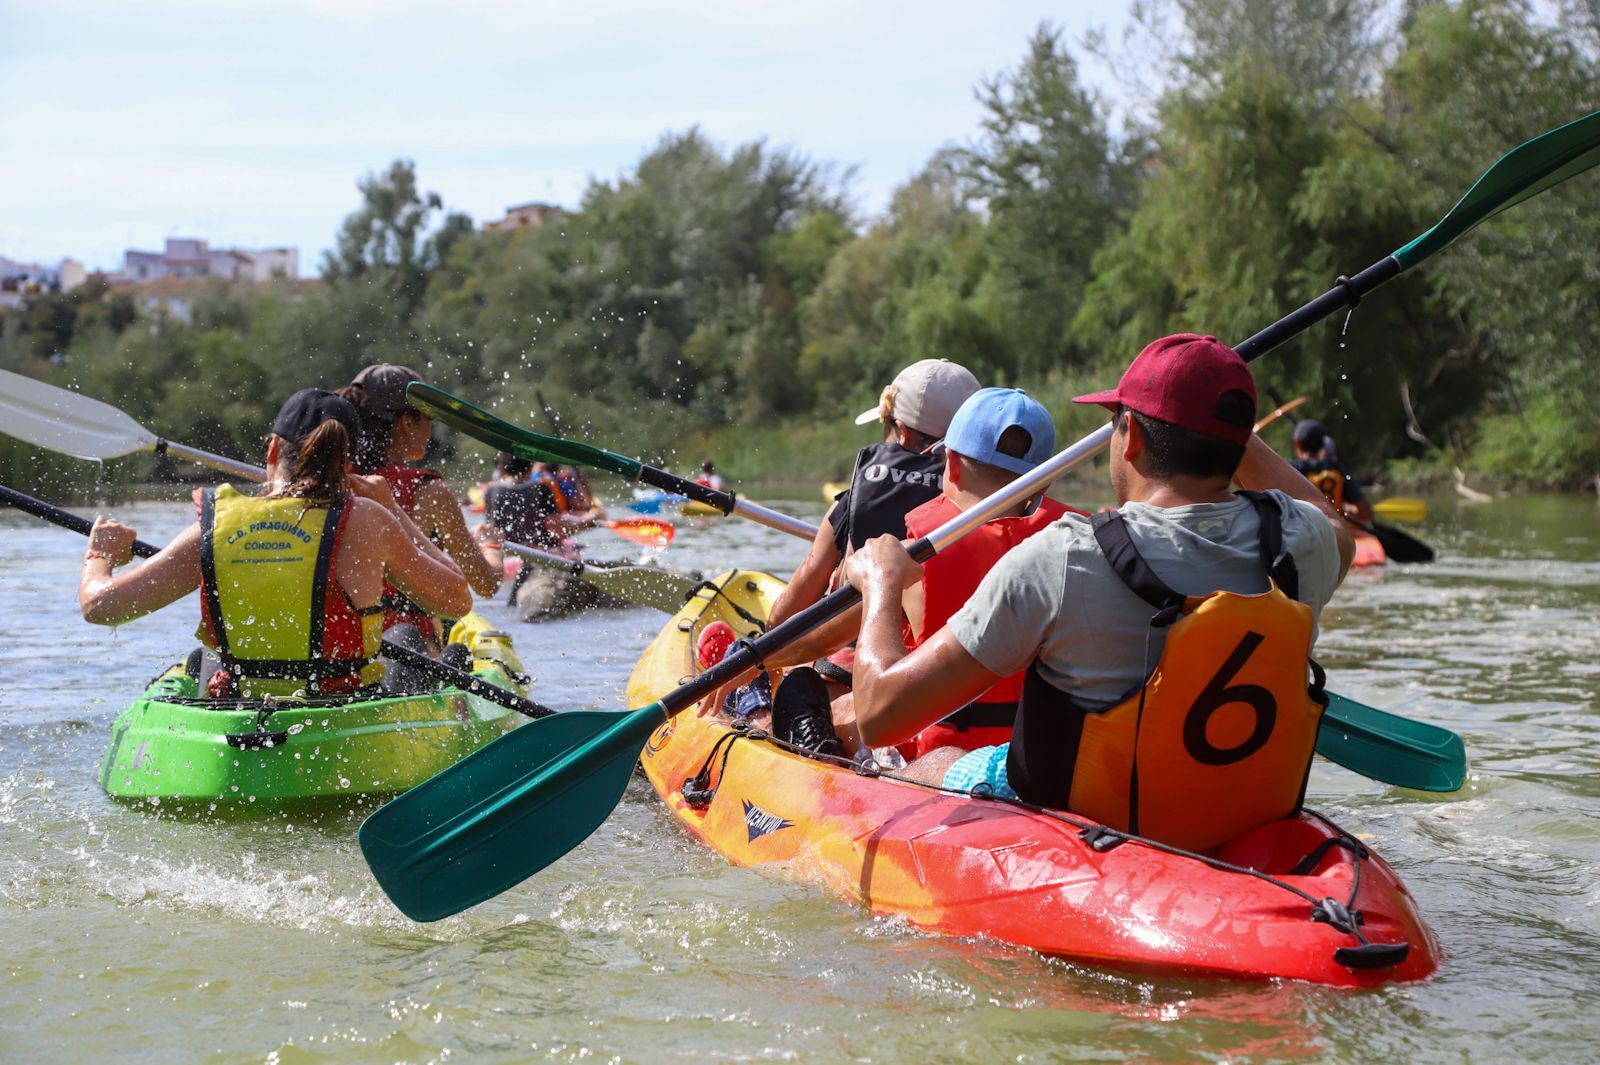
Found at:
(110, 599)
(1263, 468)
(428, 578)
(482, 564)
(898, 694)
(810, 581)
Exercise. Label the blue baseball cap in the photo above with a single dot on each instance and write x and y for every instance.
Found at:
(976, 429)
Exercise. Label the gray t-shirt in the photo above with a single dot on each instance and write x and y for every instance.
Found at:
(1053, 597)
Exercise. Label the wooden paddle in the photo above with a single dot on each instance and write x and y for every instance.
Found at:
(520, 803)
(1293, 404)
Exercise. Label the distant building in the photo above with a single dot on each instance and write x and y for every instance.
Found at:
(20, 280)
(176, 296)
(190, 257)
(523, 216)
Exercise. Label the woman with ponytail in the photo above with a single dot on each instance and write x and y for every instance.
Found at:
(290, 580)
(393, 436)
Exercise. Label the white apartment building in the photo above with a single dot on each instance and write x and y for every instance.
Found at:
(191, 257)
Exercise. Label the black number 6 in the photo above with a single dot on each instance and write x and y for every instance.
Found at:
(1217, 695)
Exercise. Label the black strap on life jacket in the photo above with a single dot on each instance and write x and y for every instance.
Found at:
(315, 669)
(1049, 724)
(888, 482)
(1111, 533)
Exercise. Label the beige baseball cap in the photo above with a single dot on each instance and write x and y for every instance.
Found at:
(925, 396)
(385, 385)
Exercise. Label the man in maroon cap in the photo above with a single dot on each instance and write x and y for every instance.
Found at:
(1107, 726)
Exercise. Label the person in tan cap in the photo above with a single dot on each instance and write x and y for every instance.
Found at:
(890, 479)
(394, 435)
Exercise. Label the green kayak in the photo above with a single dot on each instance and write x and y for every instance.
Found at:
(174, 747)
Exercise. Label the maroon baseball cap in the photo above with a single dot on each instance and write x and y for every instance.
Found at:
(1180, 379)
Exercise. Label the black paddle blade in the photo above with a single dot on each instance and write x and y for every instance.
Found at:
(504, 812)
(1400, 545)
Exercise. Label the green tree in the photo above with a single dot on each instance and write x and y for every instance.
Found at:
(1056, 186)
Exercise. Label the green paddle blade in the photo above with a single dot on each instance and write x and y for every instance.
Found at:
(504, 812)
(1520, 174)
(662, 589)
(499, 433)
(1386, 747)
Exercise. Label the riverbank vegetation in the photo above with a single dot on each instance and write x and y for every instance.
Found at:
(733, 302)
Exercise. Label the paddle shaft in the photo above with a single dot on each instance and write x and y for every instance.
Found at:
(727, 502)
(544, 558)
(206, 458)
(458, 678)
(64, 518)
(1293, 404)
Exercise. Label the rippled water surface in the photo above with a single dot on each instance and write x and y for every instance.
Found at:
(140, 937)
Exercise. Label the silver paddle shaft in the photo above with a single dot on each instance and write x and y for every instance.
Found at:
(216, 462)
(1028, 484)
(773, 520)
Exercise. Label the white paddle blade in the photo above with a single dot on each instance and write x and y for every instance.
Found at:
(58, 420)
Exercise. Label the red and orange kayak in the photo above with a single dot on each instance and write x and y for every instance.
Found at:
(978, 867)
(1369, 551)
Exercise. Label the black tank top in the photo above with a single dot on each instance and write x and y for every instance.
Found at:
(520, 511)
(888, 483)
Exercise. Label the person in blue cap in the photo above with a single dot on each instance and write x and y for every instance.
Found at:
(995, 436)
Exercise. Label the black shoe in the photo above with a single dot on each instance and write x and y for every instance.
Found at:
(457, 656)
(801, 714)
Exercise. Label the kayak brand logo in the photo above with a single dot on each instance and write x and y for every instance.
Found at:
(877, 471)
(758, 823)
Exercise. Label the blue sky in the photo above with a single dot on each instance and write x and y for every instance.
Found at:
(248, 123)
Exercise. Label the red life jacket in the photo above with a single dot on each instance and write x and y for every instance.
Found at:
(397, 609)
(949, 579)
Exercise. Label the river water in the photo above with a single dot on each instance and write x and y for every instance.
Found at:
(139, 937)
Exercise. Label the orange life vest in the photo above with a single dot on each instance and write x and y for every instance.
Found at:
(949, 579)
(1331, 484)
(1217, 739)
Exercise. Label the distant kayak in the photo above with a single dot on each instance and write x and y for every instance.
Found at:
(1401, 509)
(1369, 552)
(696, 509)
(651, 502)
(831, 489)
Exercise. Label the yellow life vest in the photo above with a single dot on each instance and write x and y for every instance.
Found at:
(270, 605)
(1218, 738)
